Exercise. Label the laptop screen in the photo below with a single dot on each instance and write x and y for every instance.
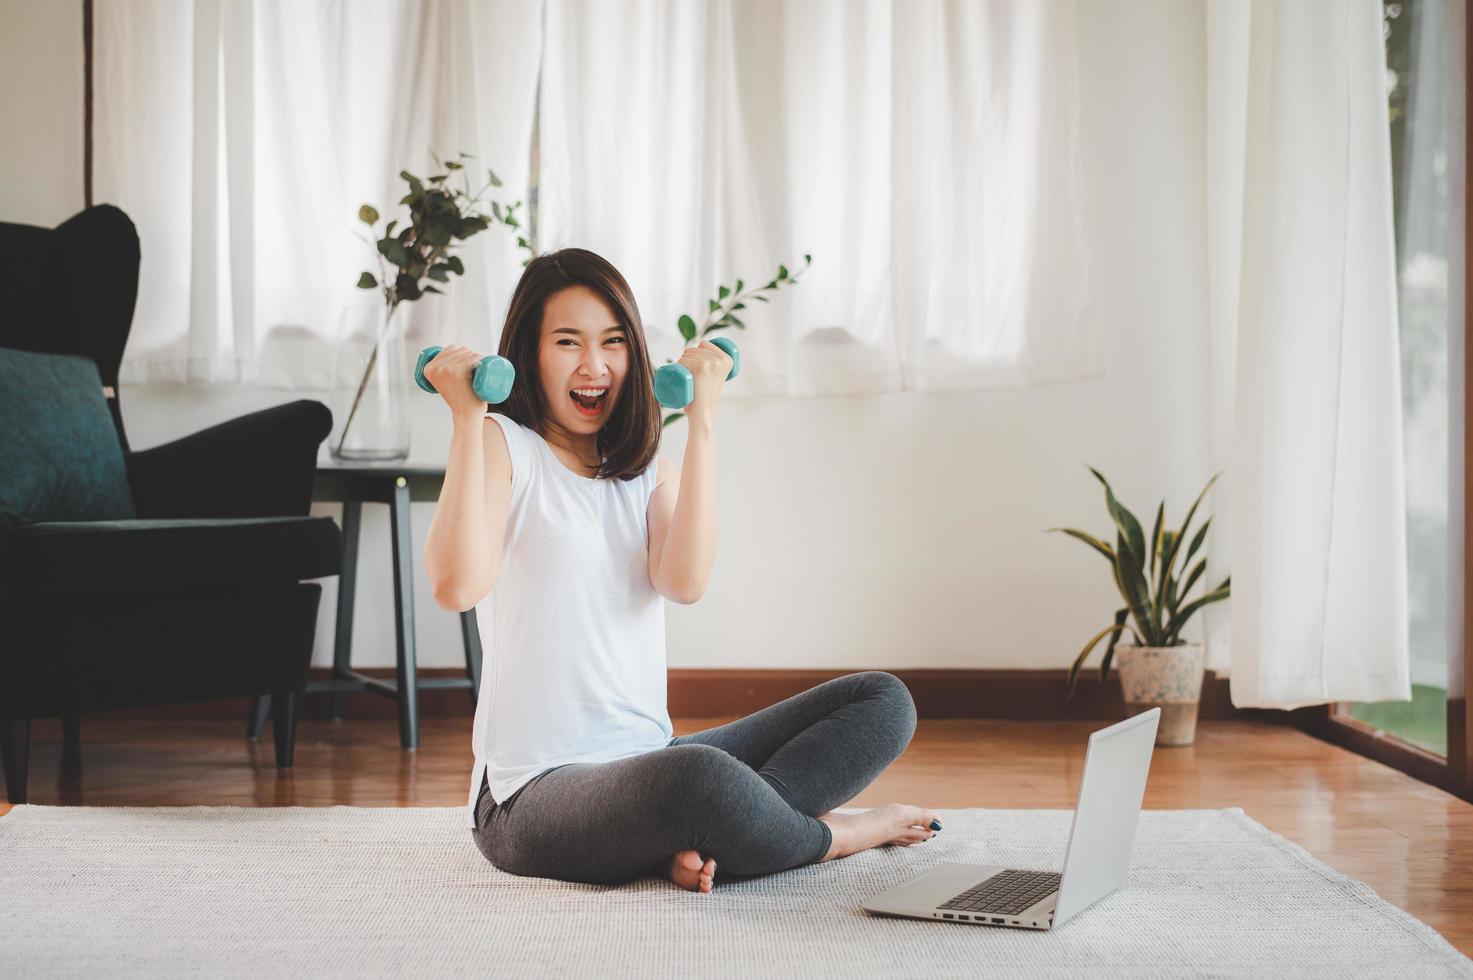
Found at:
(1105, 816)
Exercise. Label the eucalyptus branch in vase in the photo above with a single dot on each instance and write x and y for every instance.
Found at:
(721, 311)
(440, 216)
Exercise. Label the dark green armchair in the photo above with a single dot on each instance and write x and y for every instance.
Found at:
(128, 579)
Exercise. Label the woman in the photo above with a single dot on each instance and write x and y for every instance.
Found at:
(565, 530)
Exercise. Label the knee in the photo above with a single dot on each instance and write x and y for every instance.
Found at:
(898, 711)
(700, 775)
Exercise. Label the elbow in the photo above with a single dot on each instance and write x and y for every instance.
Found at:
(451, 599)
(449, 605)
(687, 594)
(455, 603)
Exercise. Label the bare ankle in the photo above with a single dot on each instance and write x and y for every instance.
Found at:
(837, 835)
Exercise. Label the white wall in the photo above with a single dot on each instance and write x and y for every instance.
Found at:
(40, 111)
(907, 529)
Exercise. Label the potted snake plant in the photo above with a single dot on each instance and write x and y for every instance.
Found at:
(1159, 668)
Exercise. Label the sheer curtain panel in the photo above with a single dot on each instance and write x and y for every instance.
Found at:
(1305, 344)
(242, 137)
(923, 152)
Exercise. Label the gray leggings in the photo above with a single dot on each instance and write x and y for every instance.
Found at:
(744, 793)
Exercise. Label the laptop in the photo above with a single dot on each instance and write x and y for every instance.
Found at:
(1105, 815)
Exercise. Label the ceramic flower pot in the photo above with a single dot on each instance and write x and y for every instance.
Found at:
(1165, 677)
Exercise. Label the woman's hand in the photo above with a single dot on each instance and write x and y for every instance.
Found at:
(709, 365)
(450, 372)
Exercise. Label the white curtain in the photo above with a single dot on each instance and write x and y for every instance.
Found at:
(242, 137)
(923, 152)
(1305, 353)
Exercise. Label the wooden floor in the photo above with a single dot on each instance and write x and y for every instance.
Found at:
(1413, 844)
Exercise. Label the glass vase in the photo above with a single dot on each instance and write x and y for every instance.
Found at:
(370, 386)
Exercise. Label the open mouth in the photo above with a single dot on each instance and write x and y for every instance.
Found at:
(589, 405)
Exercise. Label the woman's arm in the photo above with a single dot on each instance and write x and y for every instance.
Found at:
(463, 546)
(681, 563)
(683, 523)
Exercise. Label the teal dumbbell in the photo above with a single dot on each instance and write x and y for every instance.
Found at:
(494, 376)
(675, 386)
(491, 380)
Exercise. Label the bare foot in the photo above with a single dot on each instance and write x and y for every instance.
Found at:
(688, 870)
(896, 823)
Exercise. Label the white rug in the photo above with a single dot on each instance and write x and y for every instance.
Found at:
(353, 892)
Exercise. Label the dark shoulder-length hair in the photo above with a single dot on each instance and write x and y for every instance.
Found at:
(631, 436)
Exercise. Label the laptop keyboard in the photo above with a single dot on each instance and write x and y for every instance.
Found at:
(1005, 893)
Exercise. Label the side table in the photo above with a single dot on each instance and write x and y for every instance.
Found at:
(398, 486)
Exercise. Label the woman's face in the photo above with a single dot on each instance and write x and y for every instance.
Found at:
(582, 347)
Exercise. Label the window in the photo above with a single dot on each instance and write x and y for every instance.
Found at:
(1426, 51)
(1417, 89)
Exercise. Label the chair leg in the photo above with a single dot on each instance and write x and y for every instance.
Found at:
(71, 750)
(71, 731)
(15, 745)
(284, 726)
(256, 720)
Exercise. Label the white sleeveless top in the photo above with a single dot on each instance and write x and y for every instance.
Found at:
(573, 632)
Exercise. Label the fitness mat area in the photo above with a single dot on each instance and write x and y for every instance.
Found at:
(350, 892)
